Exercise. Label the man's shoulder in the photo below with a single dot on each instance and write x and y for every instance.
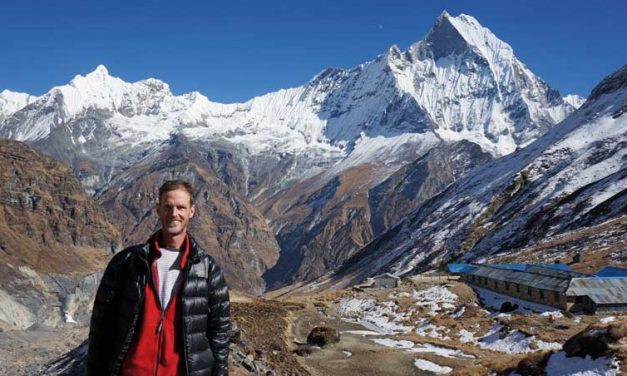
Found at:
(127, 254)
(203, 255)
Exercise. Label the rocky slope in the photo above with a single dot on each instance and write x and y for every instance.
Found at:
(321, 228)
(53, 236)
(571, 178)
(45, 213)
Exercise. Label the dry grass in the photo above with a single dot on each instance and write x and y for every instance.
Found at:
(618, 331)
(547, 329)
(471, 370)
(601, 245)
(264, 323)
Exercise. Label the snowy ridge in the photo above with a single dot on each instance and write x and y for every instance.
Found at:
(475, 88)
(11, 102)
(471, 87)
(568, 178)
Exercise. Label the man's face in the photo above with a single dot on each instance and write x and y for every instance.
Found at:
(175, 210)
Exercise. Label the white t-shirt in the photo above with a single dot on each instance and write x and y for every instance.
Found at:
(169, 274)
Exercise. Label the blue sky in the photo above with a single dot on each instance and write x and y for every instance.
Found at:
(234, 50)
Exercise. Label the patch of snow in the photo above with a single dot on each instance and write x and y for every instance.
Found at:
(560, 365)
(541, 345)
(458, 312)
(441, 351)
(354, 306)
(383, 325)
(362, 332)
(69, 319)
(427, 329)
(514, 342)
(397, 344)
(495, 300)
(436, 298)
(382, 317)
(466, 336)
(348, 353)
(426, 365)
(553, 314)
(607, 320)
(423, 348)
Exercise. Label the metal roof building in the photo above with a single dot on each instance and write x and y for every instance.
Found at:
(604, 294)
(534, 276)
(554, 286)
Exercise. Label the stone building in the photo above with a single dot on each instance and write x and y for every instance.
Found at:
(386, 280)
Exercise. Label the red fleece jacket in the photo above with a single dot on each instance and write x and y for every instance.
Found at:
(157, 347)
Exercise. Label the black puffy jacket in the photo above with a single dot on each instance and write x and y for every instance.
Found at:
(205, 306)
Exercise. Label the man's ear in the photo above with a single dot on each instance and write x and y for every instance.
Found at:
(192, 211)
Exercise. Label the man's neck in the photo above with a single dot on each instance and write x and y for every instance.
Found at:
(172, 241)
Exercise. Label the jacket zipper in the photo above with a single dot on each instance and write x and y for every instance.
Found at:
(161, 315)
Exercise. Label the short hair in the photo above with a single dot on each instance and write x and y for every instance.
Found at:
(173, 185)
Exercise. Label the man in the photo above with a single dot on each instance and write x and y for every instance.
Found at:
(162, 308)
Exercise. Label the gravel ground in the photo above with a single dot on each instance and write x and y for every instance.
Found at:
(24, 352)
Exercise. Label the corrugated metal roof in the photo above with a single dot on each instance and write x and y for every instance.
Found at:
(537, 269)
(557, 266)
(552, 280)
(519, 267)
(612, 271)
(459, 268)
(524, 267)
(611, 290)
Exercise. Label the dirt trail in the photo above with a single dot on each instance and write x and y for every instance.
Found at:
(354, 355)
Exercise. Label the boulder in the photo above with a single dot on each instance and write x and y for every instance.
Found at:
(508, 307)
(323, 335)
(597, 339)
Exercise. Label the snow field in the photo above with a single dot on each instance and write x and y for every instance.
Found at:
(560, 365)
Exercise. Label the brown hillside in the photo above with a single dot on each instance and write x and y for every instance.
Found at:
(49, 223)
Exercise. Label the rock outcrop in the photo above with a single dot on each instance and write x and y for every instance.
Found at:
(54, 236)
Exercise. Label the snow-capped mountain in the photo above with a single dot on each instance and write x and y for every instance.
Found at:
(573, 177)
(458, 83)
(11, 102)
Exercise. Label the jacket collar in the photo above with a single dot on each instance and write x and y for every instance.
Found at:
(192, 249)
(155, 250)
